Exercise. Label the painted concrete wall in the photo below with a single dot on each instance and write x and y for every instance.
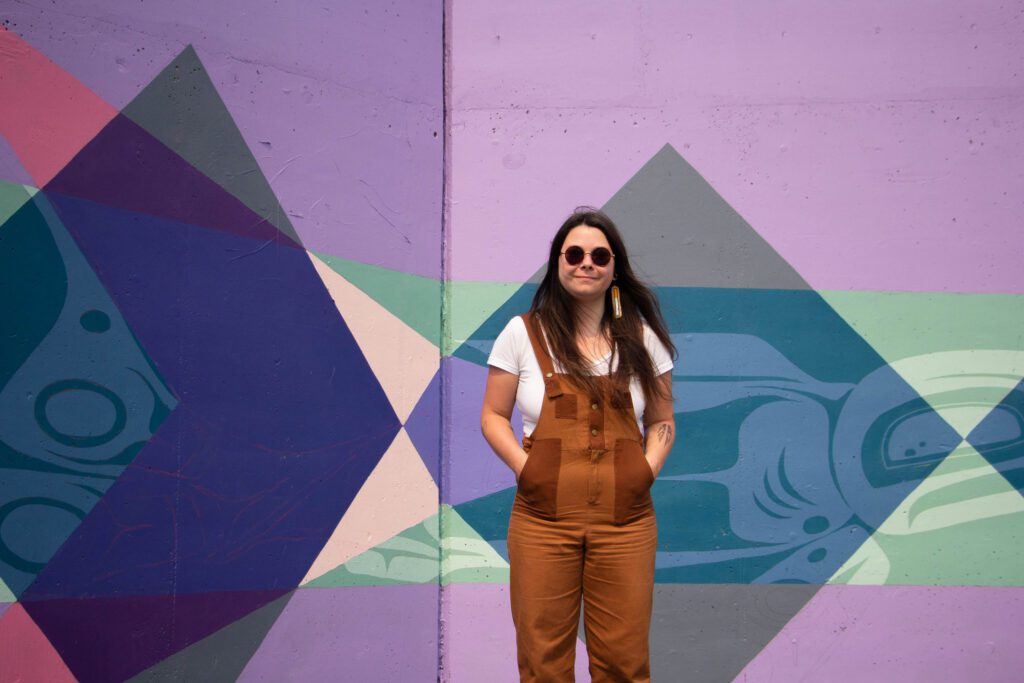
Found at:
(828, 199)
(218, 409)
(244, 340)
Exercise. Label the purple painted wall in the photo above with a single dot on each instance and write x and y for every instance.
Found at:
(872, 145)
(827, 198)
(253, 256)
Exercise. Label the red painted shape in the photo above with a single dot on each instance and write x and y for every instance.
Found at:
(46, 114)
(25, 653)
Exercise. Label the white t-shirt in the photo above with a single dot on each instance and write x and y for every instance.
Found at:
(513, 353)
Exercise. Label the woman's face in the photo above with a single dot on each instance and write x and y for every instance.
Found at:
(585, 281)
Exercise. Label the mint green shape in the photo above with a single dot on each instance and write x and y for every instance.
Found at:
(12, 197)
(413, 299)
(6, 595)
(962, 526)
(417, 300)
(466, 556)
(470, 303)
(903, 324)
(418, 555)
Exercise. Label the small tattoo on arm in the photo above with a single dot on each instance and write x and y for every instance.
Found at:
(665, 433)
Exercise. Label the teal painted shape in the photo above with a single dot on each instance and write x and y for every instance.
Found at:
(78, 396)
(489, 514)
(797, 439)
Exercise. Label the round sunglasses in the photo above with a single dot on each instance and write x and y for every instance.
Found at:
(600, 257)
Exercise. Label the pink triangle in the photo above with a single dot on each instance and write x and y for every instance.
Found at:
(46, 114)
(25, 653)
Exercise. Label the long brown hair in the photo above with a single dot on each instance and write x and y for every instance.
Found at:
(556, 310)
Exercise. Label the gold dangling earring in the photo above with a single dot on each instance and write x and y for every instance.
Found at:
(616, 300)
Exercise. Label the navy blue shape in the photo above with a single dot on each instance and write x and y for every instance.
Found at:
(424, 425)
(999, 437)
(279, 423)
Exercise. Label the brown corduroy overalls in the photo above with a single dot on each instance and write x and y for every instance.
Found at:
(582, 524)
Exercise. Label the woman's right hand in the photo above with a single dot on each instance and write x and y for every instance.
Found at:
(518, 469)
(496, 419)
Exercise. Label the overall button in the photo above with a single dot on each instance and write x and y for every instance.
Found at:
(593, 406)
(593, 432)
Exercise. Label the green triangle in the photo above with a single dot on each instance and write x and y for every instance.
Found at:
(6, 595)
(413, 299)
(13, 196)
(962, 526)
(903, 324)
(962, 352)
(182, 109)
(466, 556)
(413, 556)
(470, 303)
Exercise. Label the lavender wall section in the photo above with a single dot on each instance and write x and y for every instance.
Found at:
(788, 154)
(873, 145)
(340, 102)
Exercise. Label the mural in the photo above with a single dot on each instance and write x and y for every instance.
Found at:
(806, 460)
(201, 414)
(243, 355)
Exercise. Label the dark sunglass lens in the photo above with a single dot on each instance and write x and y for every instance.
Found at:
(574, 256)
(601, 256)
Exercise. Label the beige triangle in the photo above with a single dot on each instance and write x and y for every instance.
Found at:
(398, 494)
(403, 361)
(963, 386)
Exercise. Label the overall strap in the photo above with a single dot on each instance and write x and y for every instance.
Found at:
(547, 368)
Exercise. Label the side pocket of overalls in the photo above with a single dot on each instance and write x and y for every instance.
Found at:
(633, 480)
(538, 482)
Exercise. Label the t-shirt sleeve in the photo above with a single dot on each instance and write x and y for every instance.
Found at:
(660, 355)
(506, 354)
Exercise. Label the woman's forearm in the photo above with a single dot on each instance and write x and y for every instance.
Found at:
(658, 440)
(497, 430)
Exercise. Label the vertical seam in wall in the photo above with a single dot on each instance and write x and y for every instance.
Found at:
(445, 340)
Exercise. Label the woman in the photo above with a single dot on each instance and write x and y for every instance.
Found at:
(587, 366)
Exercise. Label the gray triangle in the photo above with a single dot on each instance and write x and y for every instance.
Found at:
(221, 656)
(681, 233)
(709, 632)
(182, 109)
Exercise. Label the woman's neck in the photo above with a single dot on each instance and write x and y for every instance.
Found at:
(589, 316)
